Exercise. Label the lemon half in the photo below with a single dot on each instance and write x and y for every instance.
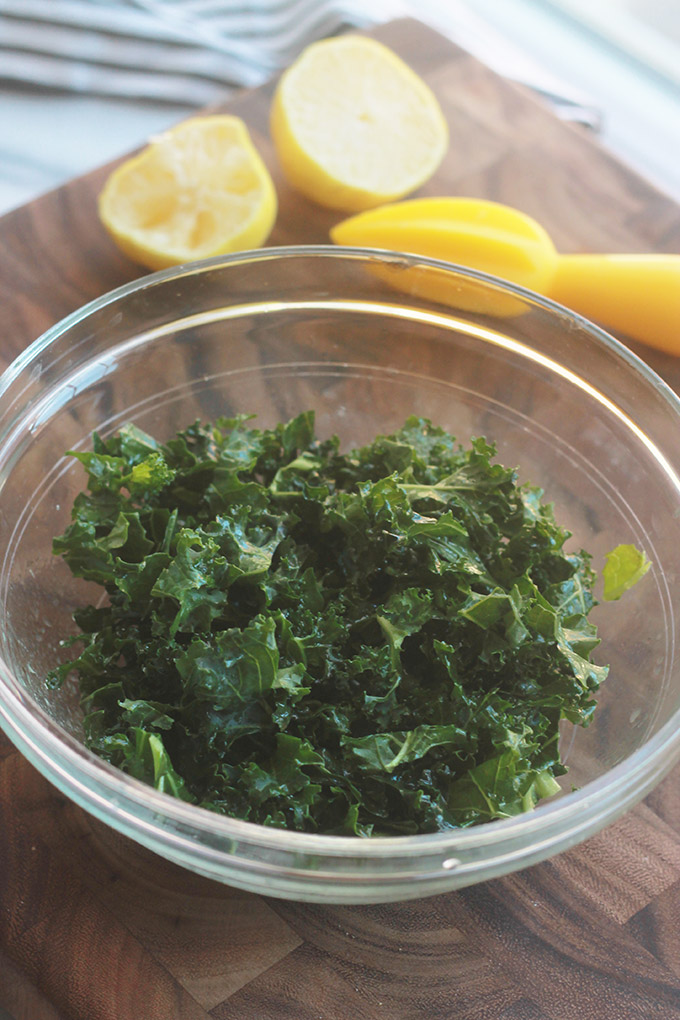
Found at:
(354, 126)
(198, 190)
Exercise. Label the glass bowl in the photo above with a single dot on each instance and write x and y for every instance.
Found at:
(365, 338)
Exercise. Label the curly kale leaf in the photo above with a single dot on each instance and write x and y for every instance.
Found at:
(380, 641)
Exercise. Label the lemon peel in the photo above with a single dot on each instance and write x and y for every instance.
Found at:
(354, 126)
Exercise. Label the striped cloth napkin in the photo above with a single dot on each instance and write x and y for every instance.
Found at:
(195, 52)
(178, 51)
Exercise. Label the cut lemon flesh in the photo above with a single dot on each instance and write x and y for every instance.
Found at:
(198, 190)
(354, 126)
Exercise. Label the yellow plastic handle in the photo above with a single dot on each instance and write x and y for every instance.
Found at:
(636, 295)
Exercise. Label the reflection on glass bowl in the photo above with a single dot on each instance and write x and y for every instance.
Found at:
(342, 331)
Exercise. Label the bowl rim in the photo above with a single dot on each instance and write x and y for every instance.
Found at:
(393, 256)
(46, 742)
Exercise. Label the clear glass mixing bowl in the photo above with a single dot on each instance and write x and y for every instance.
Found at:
(365, 338)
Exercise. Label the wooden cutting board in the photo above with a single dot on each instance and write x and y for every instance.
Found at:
(94, 928)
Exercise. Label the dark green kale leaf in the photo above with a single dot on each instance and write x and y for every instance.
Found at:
(380, 641)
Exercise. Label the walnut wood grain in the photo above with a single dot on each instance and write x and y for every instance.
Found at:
(92, 927)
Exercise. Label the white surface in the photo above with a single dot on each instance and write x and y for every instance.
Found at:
(48, 137)
(640, 105)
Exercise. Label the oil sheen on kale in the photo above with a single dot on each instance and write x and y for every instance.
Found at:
(377, 642)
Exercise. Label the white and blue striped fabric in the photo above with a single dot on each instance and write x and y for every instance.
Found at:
(179, 51)
(193, 52)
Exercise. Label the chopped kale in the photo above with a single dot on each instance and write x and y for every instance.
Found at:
(377, 642)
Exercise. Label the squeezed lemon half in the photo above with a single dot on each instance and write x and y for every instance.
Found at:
(199, 189)
(354, 126)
